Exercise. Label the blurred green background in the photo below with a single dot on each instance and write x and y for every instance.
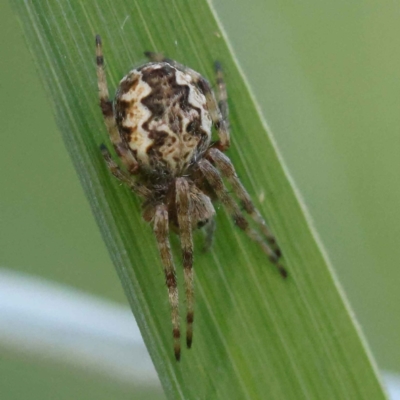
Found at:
(327, 78)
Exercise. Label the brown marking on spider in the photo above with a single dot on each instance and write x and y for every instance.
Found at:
(160, 124)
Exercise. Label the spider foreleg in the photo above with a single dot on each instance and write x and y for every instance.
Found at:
(161, 231)
(225, 166)
(121, 175)
(215, 180)
(183, 210)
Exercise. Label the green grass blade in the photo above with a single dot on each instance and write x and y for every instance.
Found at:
(256, 336)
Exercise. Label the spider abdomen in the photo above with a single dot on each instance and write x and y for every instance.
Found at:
(163, 117)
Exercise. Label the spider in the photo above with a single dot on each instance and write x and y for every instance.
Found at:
(160, 124)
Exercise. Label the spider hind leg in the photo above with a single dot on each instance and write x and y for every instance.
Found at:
(154, 57)
(108, 113)
(209, 231)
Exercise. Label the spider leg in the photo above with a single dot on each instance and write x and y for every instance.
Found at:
(215, 180)
(155, 57)
(222, 97)
(209, 230)
(161, 231)
(183, 210)
(123, 176)
(108, 113)
(217, 117)
(225, 166)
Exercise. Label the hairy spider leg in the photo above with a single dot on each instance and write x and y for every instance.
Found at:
(225, 166)
(183, 211)
(215, 180)
(161, 231)
(136, 187)
(222, 94)
(107, 109)
(209, 230)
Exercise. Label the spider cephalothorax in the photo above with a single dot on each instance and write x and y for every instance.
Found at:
(160, 125)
